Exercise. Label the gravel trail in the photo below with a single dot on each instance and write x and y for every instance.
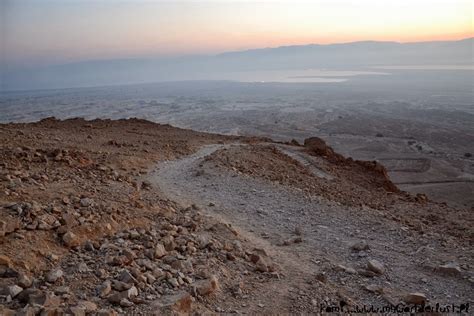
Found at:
(274, 215)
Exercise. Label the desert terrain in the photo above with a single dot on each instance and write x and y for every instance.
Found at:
(128, 216)
(417, 123)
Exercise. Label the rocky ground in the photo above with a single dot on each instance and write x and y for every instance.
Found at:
(131, 217)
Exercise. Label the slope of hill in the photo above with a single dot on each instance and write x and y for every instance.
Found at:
(130, 217)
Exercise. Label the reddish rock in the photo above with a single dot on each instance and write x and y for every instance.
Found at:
(180, 303)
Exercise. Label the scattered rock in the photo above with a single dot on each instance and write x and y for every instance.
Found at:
(206, 287)
(43, 299)
(5, 261)
(126, 303)
(146, 185)
(62, 290)
(71, 240)
(106, 312)
(160, 251)
(298, 231)
(261, 265)
(121, 286)
(104, 289)
(88, 306)
(14, 290)
(174, 282)
(375, 266)
(117, 297)
(374, 288)
(54, 275)
(82, 267)
(89, 246)
(321, 277)
(6, 311)
(24, 280)
(349, 270)
(366, 273)
(415, 298)
(180, 303)
(126, 277)
(86, 202)
(360, 246)
(452, 269)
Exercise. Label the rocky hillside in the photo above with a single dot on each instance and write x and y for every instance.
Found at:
(131, 217)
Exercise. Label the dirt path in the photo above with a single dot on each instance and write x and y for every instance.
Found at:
(270, 214)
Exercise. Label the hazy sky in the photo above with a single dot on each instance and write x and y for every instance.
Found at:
(36, 32)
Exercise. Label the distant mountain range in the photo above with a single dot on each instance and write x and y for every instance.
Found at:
(356, 55)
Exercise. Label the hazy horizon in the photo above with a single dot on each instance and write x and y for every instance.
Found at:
(63, 44)
(42, 33)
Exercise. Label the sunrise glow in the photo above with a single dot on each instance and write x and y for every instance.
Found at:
(57, 31)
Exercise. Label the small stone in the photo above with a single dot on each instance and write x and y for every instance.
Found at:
(116, 297)
(104, 289)
(298, 231)
(203, 241)
(150, 278)
(14, 290)
(89, 246)
(43, 299)
(62, 290)
(206, 287)
(86, 202)
(131, 255)
(449, 269)
(134, 234)
(169, 243)
(89, 307)
(349, 270)
(54, 275)
(146, 185)
(321, 277)
(4, 311)
(179, 303)
(51, 311)
(106, 312)
(374, 288)
(160, 251)
(71, 240)
(126, 303)
(360, 246)
(24, 280)
(366, 273)
(77, 311)
(121, 286)
(375, 266)
(261, 265)
(82, 267)
(415, 298)
(131, 292)
(5, 261)
(127, 277)
(174, 282)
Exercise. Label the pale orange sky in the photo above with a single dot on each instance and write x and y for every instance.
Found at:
(45, 32)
